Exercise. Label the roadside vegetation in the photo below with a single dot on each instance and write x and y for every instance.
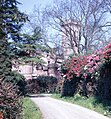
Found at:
(90, 103)
(30, 111)
(88, 75)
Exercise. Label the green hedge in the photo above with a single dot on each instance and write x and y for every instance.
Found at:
(42, 84)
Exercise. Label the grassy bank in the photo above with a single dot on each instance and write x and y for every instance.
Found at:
(90, 103)
(30, 111)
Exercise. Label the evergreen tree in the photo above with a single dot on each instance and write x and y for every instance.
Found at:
(32, 46)
(11, 21)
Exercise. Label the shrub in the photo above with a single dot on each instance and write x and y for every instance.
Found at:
(18, 79)
(32, 86)
(59, 86)
(42, 84)
(69, 88)
(92, 72)
(10, 101)
(11, 89)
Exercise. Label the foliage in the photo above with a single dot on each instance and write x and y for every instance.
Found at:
(46, 79)
(31, 47)
(92, 72)
(17, 79)
(10, 101)
(69, 87)
(75, 66)
(42, 84)
(11, 21)
(5, 64)
(87, 65)
(59, 86)
(47, 83)
(30, 110)
(32, 87)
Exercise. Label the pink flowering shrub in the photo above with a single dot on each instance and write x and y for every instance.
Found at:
(91, 73)
(87, 65)
(75, 66)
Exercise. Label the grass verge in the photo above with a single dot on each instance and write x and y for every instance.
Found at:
(90, 103)
(30, 111)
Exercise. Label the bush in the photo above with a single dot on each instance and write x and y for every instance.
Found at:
(10, 101)
(93, 72)
(59, 86)
(18, 79)
(11, 89)
(69, 87)
(47, 83)
(42, 84)
(32, 86)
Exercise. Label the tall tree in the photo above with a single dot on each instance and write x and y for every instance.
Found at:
(32, 46)
(91, 17)
(11, 21)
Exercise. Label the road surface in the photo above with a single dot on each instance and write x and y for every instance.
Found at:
(57, 109)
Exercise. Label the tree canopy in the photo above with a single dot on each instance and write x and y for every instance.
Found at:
(11, 21)
(91, 16)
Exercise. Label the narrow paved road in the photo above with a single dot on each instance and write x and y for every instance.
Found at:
(56, 109)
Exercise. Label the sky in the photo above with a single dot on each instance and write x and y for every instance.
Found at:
(28, 5)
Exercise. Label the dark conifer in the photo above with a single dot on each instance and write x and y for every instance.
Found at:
(11, 21)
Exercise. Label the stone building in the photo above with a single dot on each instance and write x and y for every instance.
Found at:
(50, 68)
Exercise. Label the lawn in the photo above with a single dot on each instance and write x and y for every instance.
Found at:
(90, 103)
(30, 111)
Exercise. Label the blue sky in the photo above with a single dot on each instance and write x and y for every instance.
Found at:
(27, 5)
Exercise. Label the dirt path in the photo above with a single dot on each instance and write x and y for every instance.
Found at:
(56, 109)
